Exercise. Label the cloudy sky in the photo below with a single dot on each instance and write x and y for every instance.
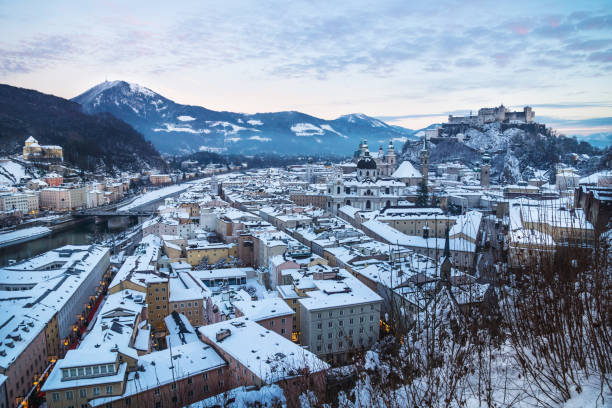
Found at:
(407, 62)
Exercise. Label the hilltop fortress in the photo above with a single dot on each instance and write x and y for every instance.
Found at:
(499, 114)
(458, 127)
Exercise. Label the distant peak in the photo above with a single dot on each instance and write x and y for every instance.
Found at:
(124, 87)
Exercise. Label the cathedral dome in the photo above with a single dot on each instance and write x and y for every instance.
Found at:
(366, 162)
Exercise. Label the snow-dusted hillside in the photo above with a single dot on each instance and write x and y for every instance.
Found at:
(517, 151)
(175, 128)
(11, 172)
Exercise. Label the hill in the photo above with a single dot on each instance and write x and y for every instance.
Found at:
(182, 129)
(89, 141)
(516, 150)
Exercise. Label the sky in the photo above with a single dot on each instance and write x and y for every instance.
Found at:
(409, 63)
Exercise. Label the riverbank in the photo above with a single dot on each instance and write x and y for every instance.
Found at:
(16, 237)
(155, 195)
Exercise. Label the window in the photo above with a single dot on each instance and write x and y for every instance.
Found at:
(56, 396)
(329, 324)
(83, 393)
(190, 380)
(156, 391)
(283, 331)
(128, 401)
(318, 325)
(163, 289)
(272, 323)
(96, 391)
(341, 312)
(361, 330)
(318, 348)
(350, 321)
(189, 304)
(372, 318)
(361, 319)
(283, 321)
(205, 376)
(206, 387)
(319, 337)
(173, 386)
(340, 322)
(111, 368)
(69, 395)
(318, 315)
(73, 372)
(109, 389)
(329, 346)
(330, 314)
(195, 304)
(329, 335)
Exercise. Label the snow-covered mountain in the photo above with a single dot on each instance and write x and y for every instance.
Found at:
(179, 129)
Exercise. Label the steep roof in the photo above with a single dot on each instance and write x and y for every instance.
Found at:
(406, 170)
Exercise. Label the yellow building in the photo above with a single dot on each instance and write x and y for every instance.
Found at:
(157, 304)
(212, 252)
(34, 151)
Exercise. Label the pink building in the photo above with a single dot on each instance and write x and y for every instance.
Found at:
(272, 313)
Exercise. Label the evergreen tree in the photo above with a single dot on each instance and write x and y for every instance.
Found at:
(422, 194)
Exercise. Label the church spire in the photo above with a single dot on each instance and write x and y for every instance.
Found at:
(447, 243)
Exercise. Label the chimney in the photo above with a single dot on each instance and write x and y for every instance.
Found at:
(223, 334)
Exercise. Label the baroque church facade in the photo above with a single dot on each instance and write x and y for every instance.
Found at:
(370, 188)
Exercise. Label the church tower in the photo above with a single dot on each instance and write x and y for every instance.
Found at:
(447, 263)
(485, 171)
(390, 158)
(424, 156)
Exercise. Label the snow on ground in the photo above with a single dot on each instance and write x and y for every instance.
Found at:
(171, 127)
(23, 234)
(135, 88)
(331, 129)
(491, 139)
(185, 118)
(154, 195)
(227, 127)
(243, 397)
(306, 129)
(260, 139)
(9, 168)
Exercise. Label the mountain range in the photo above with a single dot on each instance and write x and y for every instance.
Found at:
(179, 129)
(90, 141)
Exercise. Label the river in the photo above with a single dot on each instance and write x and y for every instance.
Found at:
(81, 234)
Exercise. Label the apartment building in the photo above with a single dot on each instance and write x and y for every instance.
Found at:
(24, 203)
(339, 314)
